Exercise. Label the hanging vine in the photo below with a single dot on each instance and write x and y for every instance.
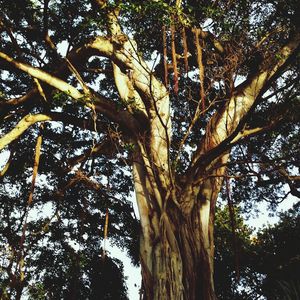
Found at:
(185, 50)
(105, 233)
(20, 264)
(233, 228)
(198, 44)
(174, 57)
(165, 56)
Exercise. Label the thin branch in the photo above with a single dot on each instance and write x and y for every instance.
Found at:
(29, 202)
(99, 103)
(267, 35)
(200, 68)
(223, 127)
(289, 84)
(165, 58)
(233, 228)
(247, 133)
(19, 100)
(198, 110)
(185, 50)
(105, 234)
(6, 167)
(71, 67)
(207, 35)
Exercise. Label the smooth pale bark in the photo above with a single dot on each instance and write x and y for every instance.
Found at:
(177, 245)
(21, 127)
(225, 125)
(45, 77)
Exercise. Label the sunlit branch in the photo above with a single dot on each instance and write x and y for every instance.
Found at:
(200, 68)
(174, 58)
(103, 148)
(267, 35)
(223, 127)
(21, 127)
(40, 89)
(19, 100)
(207, 35)
(247, 133)
(289, 179)
(99, 103)
(166, 73)
(289, 84)
(36, 162)
(69, 64)
(185, 50)
(45, 77)
(6, 166)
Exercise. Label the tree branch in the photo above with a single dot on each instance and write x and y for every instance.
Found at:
(93, 100)
(45, 77)
(22, 126)
(224, 126)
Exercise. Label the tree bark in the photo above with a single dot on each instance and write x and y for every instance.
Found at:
(178, 263)
(177, 246)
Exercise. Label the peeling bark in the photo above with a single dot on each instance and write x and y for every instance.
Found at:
(177, 245)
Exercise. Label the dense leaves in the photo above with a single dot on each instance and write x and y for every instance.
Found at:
(257, 265)
(66, 224)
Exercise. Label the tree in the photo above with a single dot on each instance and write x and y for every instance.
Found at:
(60, 256)
(277, 256)
(266, 262)
(180, 126)
(234, 275)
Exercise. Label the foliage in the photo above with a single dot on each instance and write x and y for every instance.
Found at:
(231, 256)
(267, 262)
(277, 250)
(65, 227)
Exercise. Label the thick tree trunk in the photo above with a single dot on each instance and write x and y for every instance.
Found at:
(179, 262)
(176, 246)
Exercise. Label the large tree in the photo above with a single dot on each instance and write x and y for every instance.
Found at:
(165, 89)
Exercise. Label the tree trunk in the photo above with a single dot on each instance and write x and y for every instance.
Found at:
(179, 262)
(177, 247)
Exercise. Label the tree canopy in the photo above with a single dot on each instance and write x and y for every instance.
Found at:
(262, 264)
(180, 102)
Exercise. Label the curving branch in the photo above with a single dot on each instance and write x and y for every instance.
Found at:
(92, 100)
(44, 76)
(133, 75)
(21, 127)
(6, 166)
(224, 126)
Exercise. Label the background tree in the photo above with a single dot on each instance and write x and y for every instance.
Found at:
(266, 263)
(81, 67)
(60, 256)
(234, 274)
(277, 253)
